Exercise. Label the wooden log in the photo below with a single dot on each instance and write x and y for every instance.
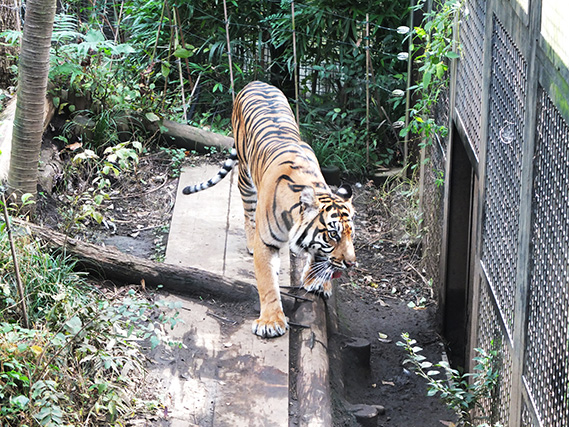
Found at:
(313, 380)
(189, 137)
(121, 268)
(313, 366)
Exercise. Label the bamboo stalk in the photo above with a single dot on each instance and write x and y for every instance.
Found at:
(229, 50)
(367, 90)
(19, 285)
(158, 32)
(294, 58)
(184, 45)
(177, 43)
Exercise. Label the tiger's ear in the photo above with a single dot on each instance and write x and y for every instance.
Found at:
(308, 199)
(345, 192)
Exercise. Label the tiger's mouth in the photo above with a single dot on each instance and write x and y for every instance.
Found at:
(336, 274)
(328, 269)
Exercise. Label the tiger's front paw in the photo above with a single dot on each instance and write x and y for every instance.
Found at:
(273, 326)
(319, 288)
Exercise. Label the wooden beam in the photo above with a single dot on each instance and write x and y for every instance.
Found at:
(313, 378)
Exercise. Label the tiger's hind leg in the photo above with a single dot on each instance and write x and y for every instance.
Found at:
(249, 199)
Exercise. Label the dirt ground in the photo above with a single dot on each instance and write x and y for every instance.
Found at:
(384, 296)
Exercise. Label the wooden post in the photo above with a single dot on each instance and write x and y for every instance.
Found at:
(525, 241)
(313, 380)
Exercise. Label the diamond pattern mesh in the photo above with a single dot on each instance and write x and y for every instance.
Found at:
(469, 72)
(503, 169)
(527, 420)
(491, 337)
(547, 348)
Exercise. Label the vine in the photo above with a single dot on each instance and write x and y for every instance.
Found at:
(432, 48)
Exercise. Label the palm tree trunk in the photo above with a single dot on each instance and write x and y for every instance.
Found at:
(32, 86)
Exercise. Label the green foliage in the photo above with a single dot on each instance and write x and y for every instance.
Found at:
(332, 60)
(433, 48)
(460, 392)
(176, 158)
(80, 362)
(89, 203)
(330, 47)
(171, 60)
(89, 70)
(341, 146)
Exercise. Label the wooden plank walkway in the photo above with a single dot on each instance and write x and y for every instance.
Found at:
(224, 375)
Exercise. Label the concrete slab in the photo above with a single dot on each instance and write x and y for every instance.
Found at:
(198, 228)
(207, 230)
(254, 375)
(224, 375)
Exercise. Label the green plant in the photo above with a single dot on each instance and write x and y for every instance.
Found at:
(460, 392)
(336, 141)
(80, 361)
(176, 156)
(214, 122)
(433, 47)
(87, 201)
(159, 244)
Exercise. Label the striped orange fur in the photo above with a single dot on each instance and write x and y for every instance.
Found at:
(285, 200)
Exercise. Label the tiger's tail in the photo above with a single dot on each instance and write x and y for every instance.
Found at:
(225, 169)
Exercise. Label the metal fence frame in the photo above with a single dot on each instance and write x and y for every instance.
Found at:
(505, 253)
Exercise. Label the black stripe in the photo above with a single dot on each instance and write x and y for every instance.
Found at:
(268, 245)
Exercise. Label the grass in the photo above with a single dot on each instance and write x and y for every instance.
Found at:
(398, 197)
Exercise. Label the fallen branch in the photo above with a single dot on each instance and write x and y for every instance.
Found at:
(189, 137)
(121, 268)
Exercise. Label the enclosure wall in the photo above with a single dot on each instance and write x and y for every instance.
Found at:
(510, 112)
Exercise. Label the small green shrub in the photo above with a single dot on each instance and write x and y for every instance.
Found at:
(176, 157)
(460, 392)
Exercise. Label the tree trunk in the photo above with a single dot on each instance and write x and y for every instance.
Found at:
(32, 87)
(111, 264)
(191, 138)
(9, 20)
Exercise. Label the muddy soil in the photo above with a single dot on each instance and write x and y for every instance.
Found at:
(384, 296)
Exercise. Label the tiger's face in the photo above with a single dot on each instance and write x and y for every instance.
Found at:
(326, 236)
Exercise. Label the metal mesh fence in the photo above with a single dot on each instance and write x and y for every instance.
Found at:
(503, 169)
(522, 227)
(491, 337)
(547, 349)
(469, 72)
(527, 420)
(433, 194)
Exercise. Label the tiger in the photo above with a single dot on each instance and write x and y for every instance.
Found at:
(285, 200)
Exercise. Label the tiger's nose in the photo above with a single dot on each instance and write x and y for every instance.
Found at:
(348, 263)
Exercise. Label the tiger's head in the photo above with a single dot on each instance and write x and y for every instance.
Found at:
(324, 233)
